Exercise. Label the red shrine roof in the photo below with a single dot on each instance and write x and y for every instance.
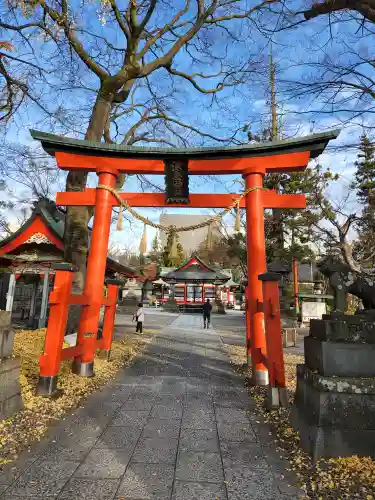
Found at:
(195, 270)
(40, 241)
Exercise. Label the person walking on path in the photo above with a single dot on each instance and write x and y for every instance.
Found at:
(139, 317)
(207, 308)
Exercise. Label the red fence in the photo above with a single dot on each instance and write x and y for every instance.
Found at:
(60, 299)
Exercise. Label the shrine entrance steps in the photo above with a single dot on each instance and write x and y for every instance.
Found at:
(176, 425)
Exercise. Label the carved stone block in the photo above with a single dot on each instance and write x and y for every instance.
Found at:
(344, 328)
(340, 359)
(334, 416)
(10, 392)
(6, 342)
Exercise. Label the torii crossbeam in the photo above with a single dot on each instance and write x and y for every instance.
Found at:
(252, 161)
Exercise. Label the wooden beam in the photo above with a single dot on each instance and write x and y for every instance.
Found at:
(287, 162)
(154, 200)
(271, 199)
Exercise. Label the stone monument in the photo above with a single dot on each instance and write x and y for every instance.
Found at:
(10, 392)
(334, 407)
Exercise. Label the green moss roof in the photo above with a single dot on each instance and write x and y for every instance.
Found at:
(315, 143)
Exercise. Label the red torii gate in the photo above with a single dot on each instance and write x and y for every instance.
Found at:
(107, 160)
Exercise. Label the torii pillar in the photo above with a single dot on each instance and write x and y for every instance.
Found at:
(256, 265)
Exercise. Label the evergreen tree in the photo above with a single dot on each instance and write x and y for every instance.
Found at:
(155, 255)
(171, 261)
(289, 232)
(364, 183)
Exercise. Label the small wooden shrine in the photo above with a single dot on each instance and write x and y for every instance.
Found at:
(191, 284)
(26, 260)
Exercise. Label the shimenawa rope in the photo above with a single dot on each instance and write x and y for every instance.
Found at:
(173, 229)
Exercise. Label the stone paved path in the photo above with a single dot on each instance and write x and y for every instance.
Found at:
(176, 425)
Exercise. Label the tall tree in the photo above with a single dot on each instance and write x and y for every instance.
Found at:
(110, 57)
(364, 183)
(365, 8)
(155, 255)
(288, 232)
(173, 257)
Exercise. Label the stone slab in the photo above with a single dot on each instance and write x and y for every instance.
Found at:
(334, 416)
(156, 451)
(349, 385)
(340, 359)
(6, 342)
(199, 466)
(9, 378)
(136, 419)
(89, 489)
(147, 482)
(162, 428)
(355, 329)
(10, 406)
(235, 432)
(199, 440)
(104, 463)
(249, 483)
(332, 442)
(10, 391)
(43, 479)
(198, 491)
(119, 437)
(247, 452)
(337, 409)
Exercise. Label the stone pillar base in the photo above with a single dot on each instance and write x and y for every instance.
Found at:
(10, 391)
(47, 387)
(83, 369)
(335, 416)
(276, 397)
(260, 377)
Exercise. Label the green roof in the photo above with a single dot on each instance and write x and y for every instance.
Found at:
(315, 143)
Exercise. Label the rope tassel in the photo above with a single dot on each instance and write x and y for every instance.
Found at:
(173, 254)
(209, 237)
(143, 243)
(120, 217)
(238, 219)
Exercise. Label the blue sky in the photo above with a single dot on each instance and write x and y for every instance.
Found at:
(295, 53)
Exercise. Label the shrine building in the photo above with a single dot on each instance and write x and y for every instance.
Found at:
(26, 259)
(190, 285)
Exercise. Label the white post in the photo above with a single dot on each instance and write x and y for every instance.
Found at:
(10, 294)
(43, 309)
(33, 303)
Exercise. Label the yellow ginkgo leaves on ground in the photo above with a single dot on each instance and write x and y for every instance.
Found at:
(338, 479)
(30, 424)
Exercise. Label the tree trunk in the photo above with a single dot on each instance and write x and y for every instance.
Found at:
(76, 234)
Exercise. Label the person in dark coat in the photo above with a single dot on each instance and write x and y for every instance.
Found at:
(207, 308)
